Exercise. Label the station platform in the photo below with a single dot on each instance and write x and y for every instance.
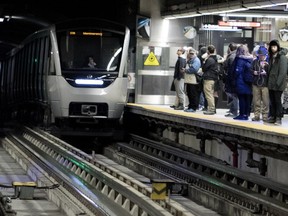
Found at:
(248, 128)
(234, 141)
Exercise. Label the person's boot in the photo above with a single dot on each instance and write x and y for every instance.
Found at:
(278, 121)
(265, 118)
(271, 120)
(179, 107)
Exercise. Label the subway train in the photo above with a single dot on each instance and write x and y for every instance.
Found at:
(69, 74)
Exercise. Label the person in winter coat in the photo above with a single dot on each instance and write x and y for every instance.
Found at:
(228, 76)
(192, 86)
(242, 85)
(210, 76)
(276, 80)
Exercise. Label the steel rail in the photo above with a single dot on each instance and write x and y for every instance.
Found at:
(172, 207)
(248, 190)
(81, 166)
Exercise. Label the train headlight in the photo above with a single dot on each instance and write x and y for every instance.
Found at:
(89, 82)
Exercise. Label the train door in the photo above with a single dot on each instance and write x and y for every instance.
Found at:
(224, 43)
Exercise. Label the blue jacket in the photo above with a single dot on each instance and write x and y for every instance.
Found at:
(194, 65)
(242, 64)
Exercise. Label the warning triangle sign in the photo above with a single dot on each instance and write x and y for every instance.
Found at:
(151, 60)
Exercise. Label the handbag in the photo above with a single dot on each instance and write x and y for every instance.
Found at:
(172, 88)
(199, 78)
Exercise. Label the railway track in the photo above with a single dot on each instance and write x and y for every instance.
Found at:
(216, 185)
(97, 187)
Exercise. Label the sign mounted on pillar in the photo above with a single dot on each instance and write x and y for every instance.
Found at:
(151, 60)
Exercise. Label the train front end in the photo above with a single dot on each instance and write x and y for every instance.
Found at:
(89, 86)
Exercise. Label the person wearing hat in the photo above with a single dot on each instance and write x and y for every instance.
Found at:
(260, 90)
(192, 86)
(276, 80)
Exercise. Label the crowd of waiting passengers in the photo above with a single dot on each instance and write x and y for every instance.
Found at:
(252, 81)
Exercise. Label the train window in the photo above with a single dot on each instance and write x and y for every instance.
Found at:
(76, 47)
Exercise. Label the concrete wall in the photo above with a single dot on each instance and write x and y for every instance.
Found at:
(220, 151)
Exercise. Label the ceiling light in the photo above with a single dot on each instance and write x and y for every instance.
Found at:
(233, 6)
(258, 13)
(181, 15)
(252, 4)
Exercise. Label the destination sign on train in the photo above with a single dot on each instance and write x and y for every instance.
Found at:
(86, 33)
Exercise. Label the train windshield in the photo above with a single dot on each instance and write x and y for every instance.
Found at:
(91, 50)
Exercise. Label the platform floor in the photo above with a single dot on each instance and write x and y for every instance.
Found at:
(220, 117)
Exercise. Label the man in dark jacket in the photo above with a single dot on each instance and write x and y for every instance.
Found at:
(228, 88)
(276, 80)
(179, 80)
(210, 75)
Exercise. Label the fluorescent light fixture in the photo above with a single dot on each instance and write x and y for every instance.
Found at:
(182, 16)
(233, 6)
(225, 11)
(1, 19)
(186, 14)
(252, 4)
(257, 13)
(89, 82)
(205, 10)
(27, 19)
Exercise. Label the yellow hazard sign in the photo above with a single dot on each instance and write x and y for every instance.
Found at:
(158, 191)
(151, 60)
